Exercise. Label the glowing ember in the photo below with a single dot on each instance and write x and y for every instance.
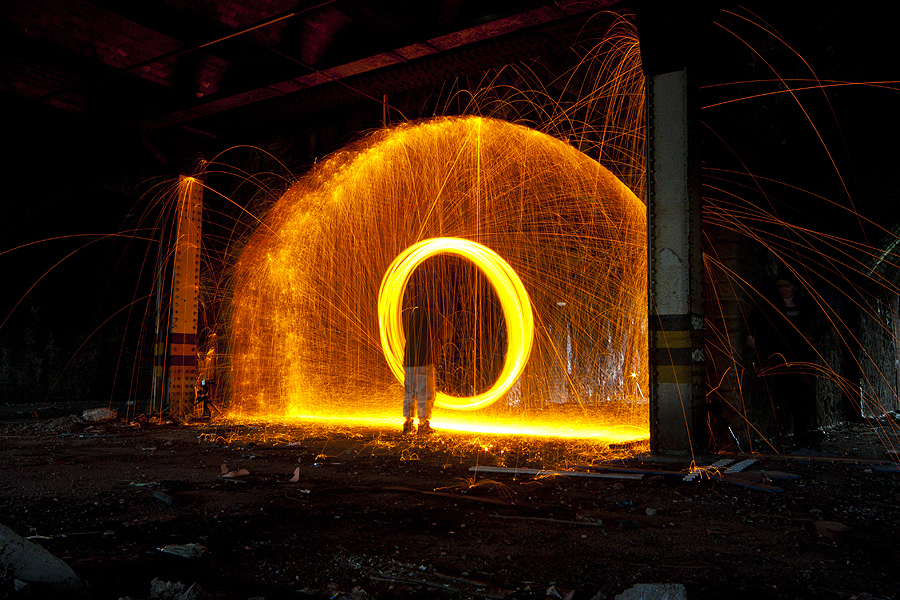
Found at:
(513, 299)
(306, 340)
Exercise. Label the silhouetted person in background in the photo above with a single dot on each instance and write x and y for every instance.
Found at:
(784, 340)
(420, 324)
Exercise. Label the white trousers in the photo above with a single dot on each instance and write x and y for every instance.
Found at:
(419, 391)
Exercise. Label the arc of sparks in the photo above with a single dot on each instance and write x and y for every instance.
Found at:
(514, 302)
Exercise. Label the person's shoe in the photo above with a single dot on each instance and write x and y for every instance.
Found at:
(408, 427)
(425, 427)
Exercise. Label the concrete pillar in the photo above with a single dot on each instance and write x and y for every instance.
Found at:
(671, 37)
(677, 378)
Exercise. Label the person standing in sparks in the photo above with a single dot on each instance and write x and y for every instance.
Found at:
(420, 324)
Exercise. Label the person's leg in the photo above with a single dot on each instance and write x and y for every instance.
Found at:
(409, 392)
(426, 400)
(806, 434)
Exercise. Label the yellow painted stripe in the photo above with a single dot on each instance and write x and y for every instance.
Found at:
(670, 339)
(681, 374)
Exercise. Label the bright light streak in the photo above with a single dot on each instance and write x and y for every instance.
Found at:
(560, 428)
(510, 292)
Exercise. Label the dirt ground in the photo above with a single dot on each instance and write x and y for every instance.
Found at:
(374, 514)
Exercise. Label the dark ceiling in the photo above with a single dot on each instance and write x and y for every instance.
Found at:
(161, 63)
(88, 74)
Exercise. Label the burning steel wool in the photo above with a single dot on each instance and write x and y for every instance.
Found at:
(306, 330)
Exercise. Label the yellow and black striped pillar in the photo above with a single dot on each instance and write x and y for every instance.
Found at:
(675, 258)
(182, 338)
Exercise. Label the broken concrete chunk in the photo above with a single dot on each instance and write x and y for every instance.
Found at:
(31, 564)
(165, 498)
(185, 550)
(99, 414)
(20, 587)
(230, 474)
(832, 530)
(238, 473)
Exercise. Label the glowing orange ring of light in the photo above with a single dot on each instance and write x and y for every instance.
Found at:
(513, 300)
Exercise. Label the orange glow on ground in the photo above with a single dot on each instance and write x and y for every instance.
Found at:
(561, 428)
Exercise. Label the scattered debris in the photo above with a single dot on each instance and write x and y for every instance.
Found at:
(654, 591)
(185, 550)
(492, 548)
(168, 590)
(99, 414)
(62, 425)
